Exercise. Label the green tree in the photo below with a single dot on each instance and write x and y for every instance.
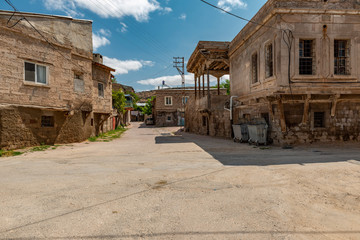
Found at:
(119, 101)
(134, 96)
(226, 84)
(113, 79)
(149, 106)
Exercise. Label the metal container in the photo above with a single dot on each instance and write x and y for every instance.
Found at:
(258, 133)
(240, 133)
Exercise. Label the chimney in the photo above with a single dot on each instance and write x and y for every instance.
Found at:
(97, 58)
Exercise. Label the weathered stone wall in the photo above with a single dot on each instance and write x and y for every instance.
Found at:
(320, 21)
(213, 122)
(22, 43)
(174, 111)
(102, 104)
(70, 94)
(21, 127)
(344, 126)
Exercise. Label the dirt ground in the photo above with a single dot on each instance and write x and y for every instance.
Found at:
(152, 184)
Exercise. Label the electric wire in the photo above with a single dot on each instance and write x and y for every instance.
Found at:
(16, 12)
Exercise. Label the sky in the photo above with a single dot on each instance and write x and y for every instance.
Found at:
(139, 38)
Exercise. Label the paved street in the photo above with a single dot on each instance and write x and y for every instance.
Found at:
(154, 184)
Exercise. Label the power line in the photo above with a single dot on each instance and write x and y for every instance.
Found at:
(139, 34)
(237, 16)
(42, 36)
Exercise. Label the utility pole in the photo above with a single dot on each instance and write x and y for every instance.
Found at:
(179, 64)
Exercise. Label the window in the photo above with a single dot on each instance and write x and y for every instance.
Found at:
(306, 57)
(341, 57)
(269, 64)
(168, 118)
(101, 89)
(47, 121)
(254, 68)
(79, 85)
(168, 101)
(185, 100)
(35, 73)
(319, 119)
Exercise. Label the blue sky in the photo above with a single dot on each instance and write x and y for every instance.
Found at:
(139, 37)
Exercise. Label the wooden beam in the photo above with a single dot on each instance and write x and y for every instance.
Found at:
(334, 104)
(282, 115)
(271, 112)
(306, 110)
(218, 85)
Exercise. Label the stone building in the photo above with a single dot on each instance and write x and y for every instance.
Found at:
(51, 90)
(297, 68)
(206, 113)
(170, 105)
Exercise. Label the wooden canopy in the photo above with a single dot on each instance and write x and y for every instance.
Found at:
(212, 56)
(209, 58)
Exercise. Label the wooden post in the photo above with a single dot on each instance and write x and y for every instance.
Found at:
(199, 78)
(195, 86)
(208, 88)
(218, 85)
(282, 115)
(306, 110)
(203, 79)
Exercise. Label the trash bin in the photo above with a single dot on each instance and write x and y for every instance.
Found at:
(240, 133)
(258, 133)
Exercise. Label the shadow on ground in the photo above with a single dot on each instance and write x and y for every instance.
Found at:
(236, 154)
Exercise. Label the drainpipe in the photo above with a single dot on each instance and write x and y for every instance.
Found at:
(231, 107)
(231, 114)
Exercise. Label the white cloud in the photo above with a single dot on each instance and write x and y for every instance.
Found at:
(124, 66)
(99, 41)
(66, 6)
(182, 16)
(167, 10)
(175, 80)
(105, 32)
(139, 9)
(123, 27)
(228, 5)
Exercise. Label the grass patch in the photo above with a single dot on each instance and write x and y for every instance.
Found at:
(108, 136)
(40, 148)
(10, 153)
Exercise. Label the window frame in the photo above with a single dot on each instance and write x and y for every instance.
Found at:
(267, 59)
(167, 118)
(256, 75)
(36, 75)
(171, 101)
(52, 121)
(313, 57)
(185, 100)
(103, 90)
(347, 58)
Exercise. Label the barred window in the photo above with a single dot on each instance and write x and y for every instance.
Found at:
(319, 119)
(47, 121)
(306, 57)
(254, 68)
(269, 64)
(341, 57)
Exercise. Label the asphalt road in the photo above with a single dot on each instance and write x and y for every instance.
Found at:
(154, 184)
